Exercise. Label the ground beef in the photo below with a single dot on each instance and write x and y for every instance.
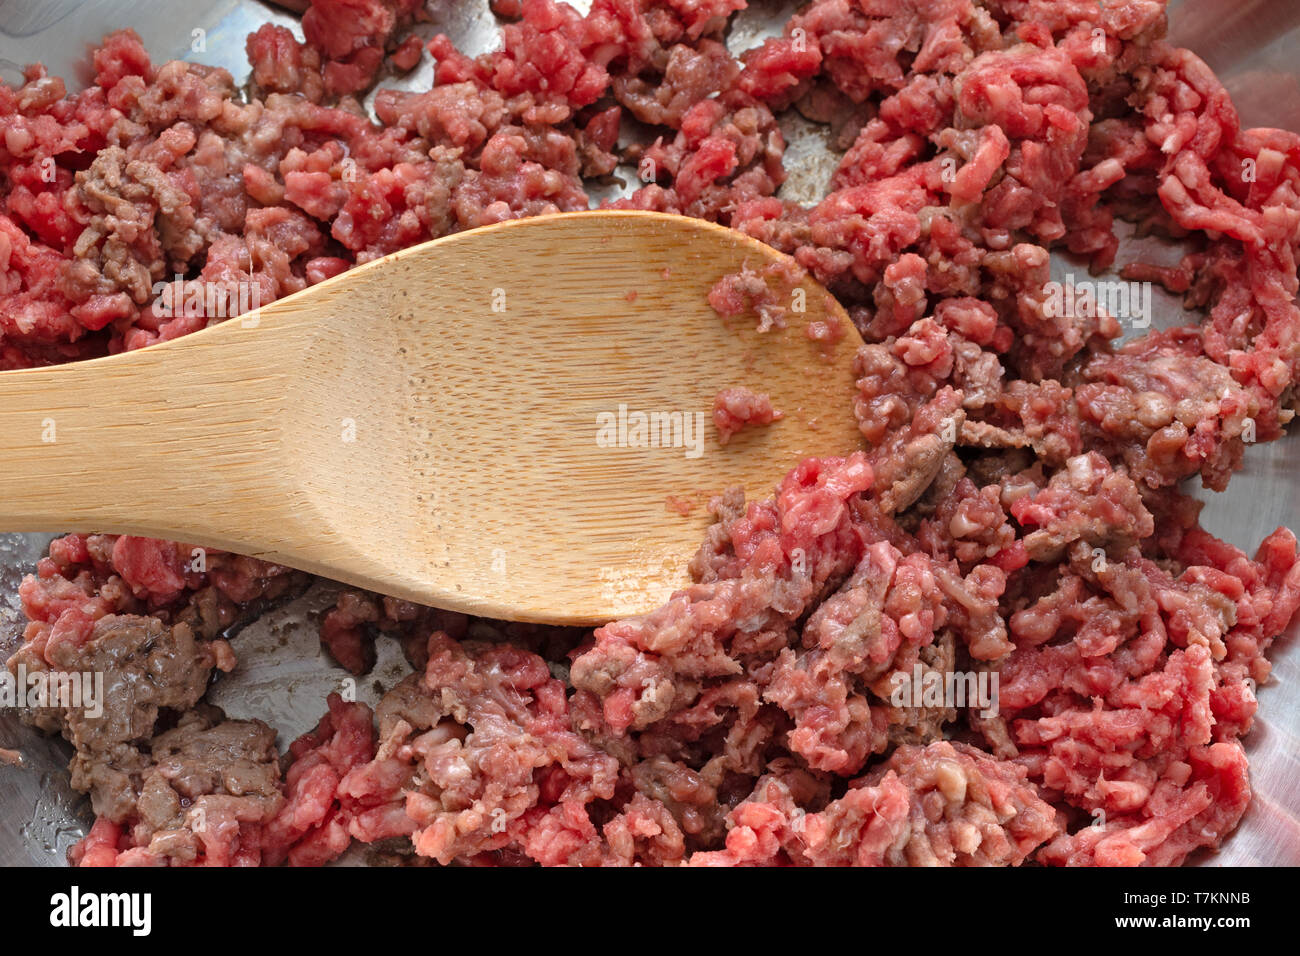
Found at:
(738, 407)
(476, 754)
(209, 782)
(312, 826)
(941, 805)
(344, 48)
(1084, 501)
(146, 667)
(1013, 514)
(212, 795)
(768, 292)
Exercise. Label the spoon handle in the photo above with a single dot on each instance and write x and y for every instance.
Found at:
(176, 440)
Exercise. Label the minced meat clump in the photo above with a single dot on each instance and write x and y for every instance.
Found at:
(1013, 513)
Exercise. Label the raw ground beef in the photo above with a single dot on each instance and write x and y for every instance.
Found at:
(1014, 511)
(767, 292)
(740, 407)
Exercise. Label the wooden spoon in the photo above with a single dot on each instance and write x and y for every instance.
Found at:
(428, 425)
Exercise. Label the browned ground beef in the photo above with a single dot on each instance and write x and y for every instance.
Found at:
(1013, 513)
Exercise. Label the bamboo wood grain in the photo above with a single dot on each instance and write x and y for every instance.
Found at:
(387, 428)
